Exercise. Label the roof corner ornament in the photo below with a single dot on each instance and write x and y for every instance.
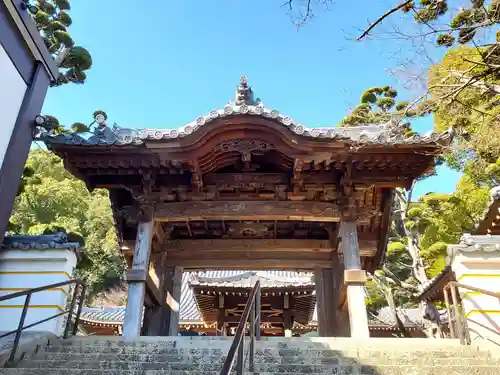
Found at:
(244, 94)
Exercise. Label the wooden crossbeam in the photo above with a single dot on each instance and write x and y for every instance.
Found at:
(257, 245)
(247, 210)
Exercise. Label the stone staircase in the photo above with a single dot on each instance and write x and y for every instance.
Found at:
(205, 355)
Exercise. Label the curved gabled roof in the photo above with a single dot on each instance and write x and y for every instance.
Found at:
(384, 134)
(246, 105)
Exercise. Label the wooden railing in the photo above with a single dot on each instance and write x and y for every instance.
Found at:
(457, 321)
(252, 312)
(78, 294)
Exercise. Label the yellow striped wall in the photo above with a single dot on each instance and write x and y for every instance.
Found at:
(480, 270)
(25, 269)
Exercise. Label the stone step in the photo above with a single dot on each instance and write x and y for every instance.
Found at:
(281, 343)
(370, 352)
(130, 357)
(377, 358)
(367, 370)
(123, 365)
(402, 352)
(176, 363)
(170, 341)
(134, 350)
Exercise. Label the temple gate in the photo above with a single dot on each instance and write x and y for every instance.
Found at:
(246, 187)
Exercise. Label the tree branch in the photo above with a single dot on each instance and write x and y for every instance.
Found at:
(382, 17)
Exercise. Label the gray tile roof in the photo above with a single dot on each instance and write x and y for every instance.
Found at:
(409, 317)
(429, 284)
(188, 309)
(276, 279)
(40, 242)
(378, 134)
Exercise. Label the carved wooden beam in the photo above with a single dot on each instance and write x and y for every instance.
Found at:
(255, 245)
(249, 264)
(247, 210)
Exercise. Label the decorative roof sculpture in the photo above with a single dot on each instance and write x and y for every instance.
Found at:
(244, 94)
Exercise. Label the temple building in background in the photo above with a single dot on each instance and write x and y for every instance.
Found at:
(201, 295)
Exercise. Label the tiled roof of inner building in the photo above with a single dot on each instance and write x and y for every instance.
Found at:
(425, 287)
(189, 312)
(188, 308)
(248, 279)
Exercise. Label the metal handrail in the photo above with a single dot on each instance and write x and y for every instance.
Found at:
(252, 311)
(79, 286)
(458, 317)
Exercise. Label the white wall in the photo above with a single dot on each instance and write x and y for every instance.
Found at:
(480, 269)
(12, 90)
(23, 269)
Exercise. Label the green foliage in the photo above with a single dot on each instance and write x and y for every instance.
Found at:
(63, 4)
(53, 125)
(52, 20)
(430, 10)
(78, 127)
(395, 249)
(54, 201)
(375, 298)
(385, 104)
(376, 107)
(368, 97)
(445, 40)
(436, 220)
(435, 258)
(401, 106)
(474, 115)
(465, 20)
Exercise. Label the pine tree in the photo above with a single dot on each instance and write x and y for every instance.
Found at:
(52, 19)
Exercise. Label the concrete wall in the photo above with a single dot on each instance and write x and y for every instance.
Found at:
(24, 269)
(480, 269)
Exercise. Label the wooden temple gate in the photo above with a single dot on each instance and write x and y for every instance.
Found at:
(245, 187)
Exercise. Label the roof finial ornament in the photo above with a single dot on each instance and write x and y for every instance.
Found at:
(244, 93)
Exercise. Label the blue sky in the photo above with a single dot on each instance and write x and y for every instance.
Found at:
(162, 64)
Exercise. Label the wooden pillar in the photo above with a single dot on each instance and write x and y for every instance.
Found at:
(341, 323)
(221, 317)
(287, 315)
(154, 311)
(325, 301)
(153, 321)
(173, 285)
(355, 290)
(136, 279)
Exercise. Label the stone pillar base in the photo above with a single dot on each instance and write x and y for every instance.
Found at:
(354, 286)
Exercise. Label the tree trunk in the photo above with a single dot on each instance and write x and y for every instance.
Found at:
(413, 241)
